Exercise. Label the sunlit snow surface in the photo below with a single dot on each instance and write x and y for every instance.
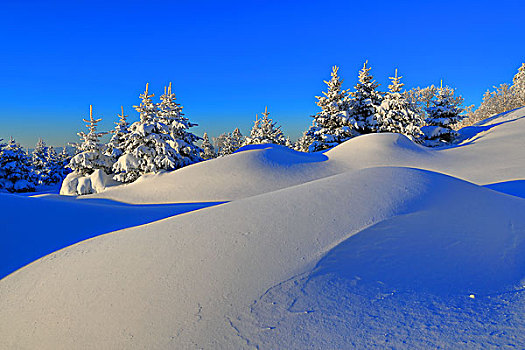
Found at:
(378, 242)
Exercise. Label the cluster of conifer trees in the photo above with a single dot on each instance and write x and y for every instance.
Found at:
(161, 141)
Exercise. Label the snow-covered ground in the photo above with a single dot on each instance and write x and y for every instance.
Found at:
(376, 243)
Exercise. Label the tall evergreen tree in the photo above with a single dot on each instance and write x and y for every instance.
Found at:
(90, 153)
(115, 144)
(396, 113)
(16, 171)
(208, 151)
(365, 102)
(265, 130)
(333, 124)
(444, 112)
(159, 141)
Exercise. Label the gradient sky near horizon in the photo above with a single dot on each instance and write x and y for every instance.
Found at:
(229, 59)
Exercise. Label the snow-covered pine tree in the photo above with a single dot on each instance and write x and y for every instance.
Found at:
(150, 145)
(114, 146)
(444, 112)
(208, 151)
(265, 130)
(396, 113)
(41, 163)
(303, 143)
(63, 160)
(55, 166)
(518, 86)
(184, 142)
(2, 170)
(237, 139)
(333, 124)
(90, 153)
(365, 102)
(16, 171)
(420, 98)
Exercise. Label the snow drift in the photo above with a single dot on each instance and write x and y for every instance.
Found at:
(353, 248)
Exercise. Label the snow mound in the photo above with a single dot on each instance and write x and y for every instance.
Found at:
(75, 184)
(257, 169)
(190, 281)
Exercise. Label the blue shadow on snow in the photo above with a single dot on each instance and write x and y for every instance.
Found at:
(31, 228)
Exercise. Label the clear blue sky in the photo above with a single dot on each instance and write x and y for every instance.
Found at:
(227, 59)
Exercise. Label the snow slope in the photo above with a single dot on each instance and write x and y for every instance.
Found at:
(337, 250)
(34, 227)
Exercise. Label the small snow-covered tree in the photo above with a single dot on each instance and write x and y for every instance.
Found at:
(265, 130)
(43, 165)
(444, 112)
(63, 160)
(114, 146)
(237, 139)
(90, 153)
(333, 124)
(56, 170)
(421, 98)
(208, 151)
(396, 113)
(518, 87)
(16, 171)
(365, 102)
(159, 141)
(303, 143)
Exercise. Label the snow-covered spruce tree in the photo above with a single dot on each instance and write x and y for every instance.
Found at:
(223, 145)
(114, 146)
(237, 139)
(184, 142)
(90, 153)
(208, 151)
(420, 98)
(56, 170)
(63, 160)
(265, 130)
(396, 113)
(2, 170)
(365, 102)
(150, 145)
(518, 87)
(303, 143)
(444, 112)
(16, 171)
(333, 124)
(42, 163)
